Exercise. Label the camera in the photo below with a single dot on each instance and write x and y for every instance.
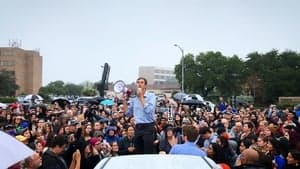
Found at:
(90, 114)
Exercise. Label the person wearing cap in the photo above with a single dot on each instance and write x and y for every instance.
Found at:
(95, 148)
(25, 137)
(99, 134)
(142, 107)
(111, 135)
(73, 125)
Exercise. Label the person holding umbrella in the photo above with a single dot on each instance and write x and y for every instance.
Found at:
(142, 107)
(60, 102)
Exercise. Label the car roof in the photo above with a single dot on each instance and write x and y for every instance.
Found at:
(156, 161)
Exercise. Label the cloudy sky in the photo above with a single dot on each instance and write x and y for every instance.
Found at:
(76, 37)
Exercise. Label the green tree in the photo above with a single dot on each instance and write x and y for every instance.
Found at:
(190, 69)
(233, 73)
(73, 89)
(89, 92)
(266, 76)
(277, 74)
(44, 92)
(57, 87)
(8, 85)
(210, 70)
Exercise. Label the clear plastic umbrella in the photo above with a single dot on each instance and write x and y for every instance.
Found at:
(33, 97)
(3, 106)
(179, 96)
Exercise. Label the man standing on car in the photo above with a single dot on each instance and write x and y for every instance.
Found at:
(142, 107)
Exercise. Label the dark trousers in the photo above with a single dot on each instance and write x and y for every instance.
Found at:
(144, 138)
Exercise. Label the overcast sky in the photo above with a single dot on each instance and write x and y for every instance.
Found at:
(76, 37)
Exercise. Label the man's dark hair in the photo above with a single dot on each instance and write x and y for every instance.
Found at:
(58, 140)
(250, 125)
(127, 127)
(295, 154)
(204, 130)
(142, 78)
(190, 132)
(247, 142)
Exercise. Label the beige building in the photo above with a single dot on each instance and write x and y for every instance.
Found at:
(25, 65)
(160, 79)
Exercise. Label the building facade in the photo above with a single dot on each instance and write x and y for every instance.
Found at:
(159, 78)
(25, 65)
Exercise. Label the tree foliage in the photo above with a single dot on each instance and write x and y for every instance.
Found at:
(211, 71)
(8, 84)
(59, 88)
(264, 76)
(89, 92)
(278, 74)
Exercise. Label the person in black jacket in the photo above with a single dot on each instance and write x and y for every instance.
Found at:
(51, 159)
(126, 144)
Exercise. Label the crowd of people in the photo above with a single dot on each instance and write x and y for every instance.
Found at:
(80, 136)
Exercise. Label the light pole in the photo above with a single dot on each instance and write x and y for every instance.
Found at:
(182, 67)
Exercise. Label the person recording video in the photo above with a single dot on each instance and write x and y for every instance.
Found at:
(142, 108)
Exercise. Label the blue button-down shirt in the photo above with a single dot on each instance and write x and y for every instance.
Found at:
(142, 114)
(188, 148)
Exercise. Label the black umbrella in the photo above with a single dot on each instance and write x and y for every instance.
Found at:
(88, 101)
(62, 102)
(192, 102)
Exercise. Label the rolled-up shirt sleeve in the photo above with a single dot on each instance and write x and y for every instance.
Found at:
(150, 103)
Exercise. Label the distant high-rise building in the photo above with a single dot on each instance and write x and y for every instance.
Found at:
(159, 77)
(25, 65)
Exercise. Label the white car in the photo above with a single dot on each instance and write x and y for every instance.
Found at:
(157, 161)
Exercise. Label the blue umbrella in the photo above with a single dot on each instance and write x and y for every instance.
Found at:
(107, 102)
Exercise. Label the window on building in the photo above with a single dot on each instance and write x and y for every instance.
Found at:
(7, 63)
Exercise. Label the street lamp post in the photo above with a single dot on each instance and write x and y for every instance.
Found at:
(182, 67)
